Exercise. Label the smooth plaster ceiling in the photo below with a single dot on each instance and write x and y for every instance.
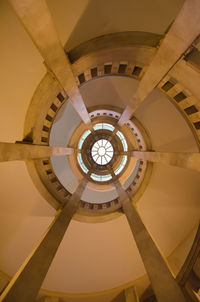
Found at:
(92, 256)
(20, 73)
(79, 21)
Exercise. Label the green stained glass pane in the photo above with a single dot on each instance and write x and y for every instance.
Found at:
(83, 137)
(82, 165)
(98, 126)
(122, 138)
(108, 127)
(101, 177)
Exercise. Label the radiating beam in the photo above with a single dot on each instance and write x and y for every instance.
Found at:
(163, 283)
(37, 21)
(25, 285)
(185, 160)
(179, 38)
(11, 151)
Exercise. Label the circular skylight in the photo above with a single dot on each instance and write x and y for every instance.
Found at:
(102, 152)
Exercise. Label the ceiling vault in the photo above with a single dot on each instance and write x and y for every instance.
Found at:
(155, 264)
(179, 38)
(21, 151)
(100, 166)
(34, 269)
(37, 21)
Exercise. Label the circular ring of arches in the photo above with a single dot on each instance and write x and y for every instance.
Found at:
(101, 151)
(55, 194)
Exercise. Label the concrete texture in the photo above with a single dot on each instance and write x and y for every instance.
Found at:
(182, 160)
(179, 38)
(9, 151)
(45, 38)
(164, 285)
(32, 273)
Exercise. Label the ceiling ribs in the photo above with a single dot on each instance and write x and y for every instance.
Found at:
(185, 160)
(181, 35)
(20, 151)
(37, 21)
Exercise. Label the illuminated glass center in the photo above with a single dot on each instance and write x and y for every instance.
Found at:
(102, 152)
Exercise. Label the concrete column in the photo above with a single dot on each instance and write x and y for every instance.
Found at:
(181, 35)
(25, 285)
(179, 159)
(131, 294)
(11, 151)
(163, 283)
(44, 36)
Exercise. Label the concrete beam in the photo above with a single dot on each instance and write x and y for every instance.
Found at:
(163, 283)
(131, 294)
(25, 285)
(11, 151)
(179, 159)
(37, 21)
(179, 38)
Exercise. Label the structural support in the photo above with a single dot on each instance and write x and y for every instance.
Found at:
(179, 159)
(36, 18)
(131, 294)
(163, 283)
(181, 35)
(11, 151)
(25, 285)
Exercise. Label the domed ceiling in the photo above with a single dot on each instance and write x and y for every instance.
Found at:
(96, 254)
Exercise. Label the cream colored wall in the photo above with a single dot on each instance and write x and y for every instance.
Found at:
(21, 65)
(168, 211)
(92, 257)
(21, 71)
(78, 21)
(178, 256)
(175, 260)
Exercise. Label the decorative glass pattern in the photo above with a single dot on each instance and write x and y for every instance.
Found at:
(101, 177)
(123, 140)
(102, 152)
(81, 163)
(121, 166)
(105, 126)
(83, 137)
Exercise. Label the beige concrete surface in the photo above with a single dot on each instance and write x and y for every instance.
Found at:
(33, 271)
(164, 285)
(182, 33)
(13, 151)
(45, 38)
(182, 160)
